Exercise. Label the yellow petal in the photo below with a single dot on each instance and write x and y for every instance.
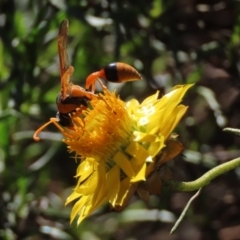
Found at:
(177, 93)
(113, 184)
(74, 195)
(88, 186)
(137, 151)
(180, 111)
(155, 122)
(132, 105)
(124, 189)
(84, 170)
(140, 176)
(77, 208)
(123, 162)
(151, 99)
(101, 189)
(155, 147)
(144, 137)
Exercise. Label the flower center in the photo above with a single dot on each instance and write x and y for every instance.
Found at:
(105, 128)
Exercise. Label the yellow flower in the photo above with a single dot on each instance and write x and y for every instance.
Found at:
(117, 143)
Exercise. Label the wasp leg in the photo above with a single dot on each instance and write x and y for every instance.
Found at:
(90, 81)
(52, 120)
(101, 84)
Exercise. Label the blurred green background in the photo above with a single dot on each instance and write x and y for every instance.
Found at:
(170, 42)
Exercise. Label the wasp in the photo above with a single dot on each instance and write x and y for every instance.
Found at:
(73, 97)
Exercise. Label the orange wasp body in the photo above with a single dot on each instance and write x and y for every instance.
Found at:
(114, 72)
(74, 98)
(71, 96)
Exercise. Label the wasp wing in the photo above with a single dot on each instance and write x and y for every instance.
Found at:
(65, 70)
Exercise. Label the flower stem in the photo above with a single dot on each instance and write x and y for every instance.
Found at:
(232, 130)
(204, 179)
(185, 211)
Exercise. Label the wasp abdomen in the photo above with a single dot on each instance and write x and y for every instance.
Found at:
(121, 72)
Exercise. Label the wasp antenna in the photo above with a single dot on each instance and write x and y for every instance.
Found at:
(35, 136)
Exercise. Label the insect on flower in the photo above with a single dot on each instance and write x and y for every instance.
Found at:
(114, 72)
(73, 98)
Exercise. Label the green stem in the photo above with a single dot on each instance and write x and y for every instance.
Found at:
(232, 130)
(185, 211)
(204, 179)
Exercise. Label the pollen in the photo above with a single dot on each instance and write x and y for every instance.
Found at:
(103, 129)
